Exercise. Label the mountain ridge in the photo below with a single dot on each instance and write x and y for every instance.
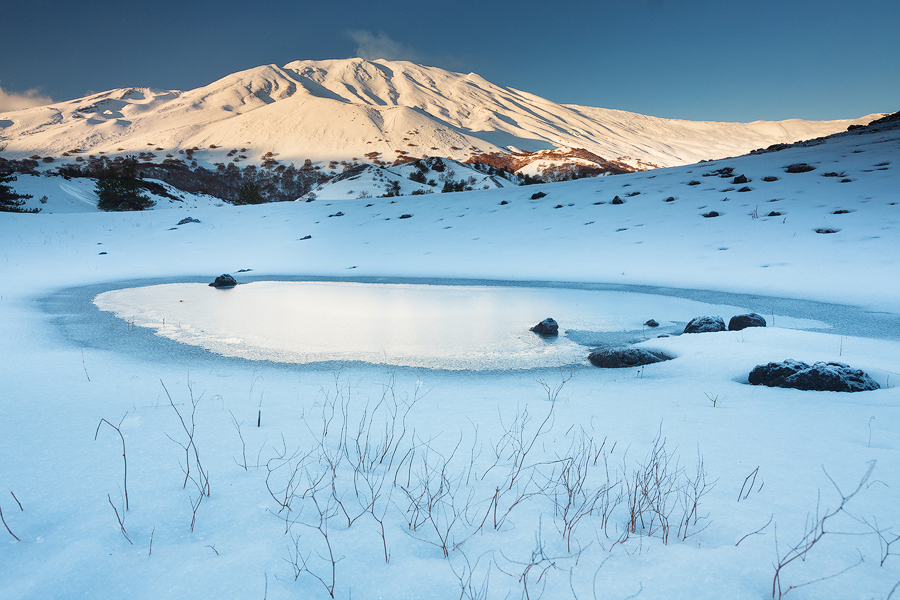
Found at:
(389, 111)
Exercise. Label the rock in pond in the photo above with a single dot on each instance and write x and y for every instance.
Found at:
(652, 323)
(739, 322)
(618, 358)
(224, 281)
(705, 325)
(547, 327)
(820, 377)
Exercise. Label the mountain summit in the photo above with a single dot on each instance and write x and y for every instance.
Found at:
(385, 111)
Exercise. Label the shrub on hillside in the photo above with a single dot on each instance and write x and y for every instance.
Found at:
(10, 201)
(118, 188)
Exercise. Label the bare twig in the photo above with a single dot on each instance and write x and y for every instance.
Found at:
(119, 519)
(7, 526)
(751, 479)
(758, 531)
(124, 459)
(17, 501)
(237, 426)
(813, 534)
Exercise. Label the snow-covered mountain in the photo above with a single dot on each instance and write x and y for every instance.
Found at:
(382, 112)
(817, 221)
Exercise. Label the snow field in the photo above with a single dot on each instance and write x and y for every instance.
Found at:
(57, 388)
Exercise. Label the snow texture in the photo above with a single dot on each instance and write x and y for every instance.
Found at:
(254, 479)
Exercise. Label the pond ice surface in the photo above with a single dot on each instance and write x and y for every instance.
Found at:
(431, 326)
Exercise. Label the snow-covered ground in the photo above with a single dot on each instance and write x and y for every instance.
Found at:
(471, 483)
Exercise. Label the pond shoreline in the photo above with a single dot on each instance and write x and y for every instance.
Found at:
(81, 323)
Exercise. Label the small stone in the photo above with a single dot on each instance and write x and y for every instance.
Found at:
(547, 327)
(224, 281)
(651, 323)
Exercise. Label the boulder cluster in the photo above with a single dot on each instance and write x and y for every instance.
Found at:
(738, 322)
(821, 376)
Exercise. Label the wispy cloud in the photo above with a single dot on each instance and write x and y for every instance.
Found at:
(17, 100)
(371, 46)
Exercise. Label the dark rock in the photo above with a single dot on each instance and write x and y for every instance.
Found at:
(774, 213)
(187, 220)
(739, 322)
(617, 200)
(406, 216)
(826, 230)
(670, 199)
(746, 188)
(821, 377)
(538, 195)
(775, 374)
(770, 178)
(504, 202)
(705, 325)
(651, 323)
(224, 281)
(547, 327)
(799, 168)
(618, 358)
(711, 214)
(741, 179)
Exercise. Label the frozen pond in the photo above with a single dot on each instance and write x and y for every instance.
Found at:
(432, 326)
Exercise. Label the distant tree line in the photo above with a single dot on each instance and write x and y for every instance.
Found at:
(247, 185)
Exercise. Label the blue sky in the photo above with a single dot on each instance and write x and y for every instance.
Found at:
(696, 59)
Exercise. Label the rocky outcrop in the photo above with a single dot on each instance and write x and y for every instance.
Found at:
(822, 376)
(739, 322)
(705, 325)
(618, 358)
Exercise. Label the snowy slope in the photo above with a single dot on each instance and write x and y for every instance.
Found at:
(346, 109)
(54, 194)
(368, 181)
(766, 460)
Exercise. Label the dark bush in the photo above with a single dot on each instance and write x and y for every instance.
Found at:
(119, 189)
(799, 168)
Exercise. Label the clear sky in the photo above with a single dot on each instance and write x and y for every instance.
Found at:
(729, 60)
